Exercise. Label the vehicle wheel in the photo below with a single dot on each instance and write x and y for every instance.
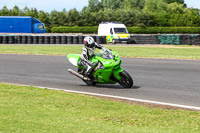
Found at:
(89, 83)
(126, 80)
(113, 41)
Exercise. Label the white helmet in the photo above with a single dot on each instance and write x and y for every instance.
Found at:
(89, 42)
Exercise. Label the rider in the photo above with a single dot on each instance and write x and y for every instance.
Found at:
(88, 51)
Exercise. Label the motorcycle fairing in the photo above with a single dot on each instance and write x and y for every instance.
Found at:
(74, 59)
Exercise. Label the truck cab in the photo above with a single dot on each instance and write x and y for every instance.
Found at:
(114, 32)
(38, 27)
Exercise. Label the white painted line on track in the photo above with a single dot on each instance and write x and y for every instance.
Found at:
(112, 96)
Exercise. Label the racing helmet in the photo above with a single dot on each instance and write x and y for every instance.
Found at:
(89, 42)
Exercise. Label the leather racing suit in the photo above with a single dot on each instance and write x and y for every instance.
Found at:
(86, 53)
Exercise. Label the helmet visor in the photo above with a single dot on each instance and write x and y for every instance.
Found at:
(92, 45)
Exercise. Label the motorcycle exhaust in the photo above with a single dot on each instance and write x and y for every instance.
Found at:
(77, 74)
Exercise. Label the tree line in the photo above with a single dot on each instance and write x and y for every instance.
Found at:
(162, 13)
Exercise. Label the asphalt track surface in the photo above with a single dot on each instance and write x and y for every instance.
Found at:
(163, 80)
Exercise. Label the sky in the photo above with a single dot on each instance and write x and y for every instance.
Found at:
(59, 5)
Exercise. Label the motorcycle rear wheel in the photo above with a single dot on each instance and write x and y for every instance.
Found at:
(89, 83)
(126, 80)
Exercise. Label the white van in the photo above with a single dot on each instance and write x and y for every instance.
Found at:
(114, 32)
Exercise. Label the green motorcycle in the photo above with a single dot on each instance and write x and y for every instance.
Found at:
(107, 71)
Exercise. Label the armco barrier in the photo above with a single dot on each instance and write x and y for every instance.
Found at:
(175, 39)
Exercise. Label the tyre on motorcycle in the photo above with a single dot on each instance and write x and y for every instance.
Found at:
(90, 82)
(126, 81)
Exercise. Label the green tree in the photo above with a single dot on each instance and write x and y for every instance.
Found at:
(176, 1)
(33, 12)
(130, 4)
(44, 18)
(73, 17)
(154, 5)
(5, 11)
(62, 18)
(93, 5)
(87, 17)
(16, 11)
(156, 12)
(143, 19)
(180, 16)
(53, 18)
(112, 4)
(25, 11)
(172, 1)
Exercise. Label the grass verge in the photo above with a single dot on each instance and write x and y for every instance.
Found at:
(29, 109)
(159, 51)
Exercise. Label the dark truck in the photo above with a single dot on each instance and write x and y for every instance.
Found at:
(21, 24)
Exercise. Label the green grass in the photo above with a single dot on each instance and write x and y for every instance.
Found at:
(29, 109)
(169, 51)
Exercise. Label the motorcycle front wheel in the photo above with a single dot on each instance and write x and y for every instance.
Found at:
(126, 81)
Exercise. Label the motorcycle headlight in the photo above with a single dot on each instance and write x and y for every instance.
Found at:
(117, 55)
